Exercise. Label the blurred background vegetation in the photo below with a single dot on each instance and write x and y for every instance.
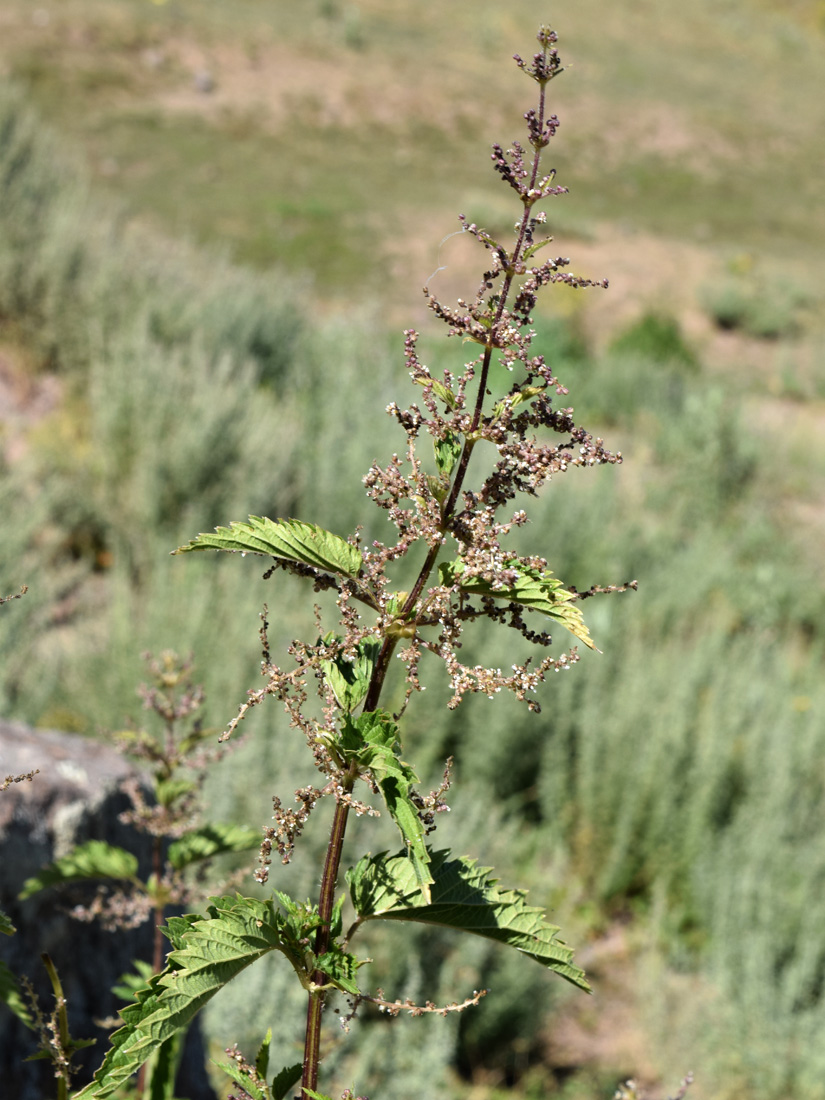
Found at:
(215, 219)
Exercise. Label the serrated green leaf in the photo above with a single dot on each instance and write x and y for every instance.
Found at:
(300, 917)
(447, 452)
(92, 860)
(208, 953)
(369, 732)
(288, 539)
(534, 589)
(299, 921)
(373, 741)
(10, 995)
(262, 1057)
(176, 928)
(404, 814)
(464, 897)
(340, 968)
(288, 1077)
(211, 840)
(350, 680)
(6, 927)
(130, 1047)
(234, 1071)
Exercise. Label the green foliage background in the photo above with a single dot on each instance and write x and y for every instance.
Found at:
(671, 793)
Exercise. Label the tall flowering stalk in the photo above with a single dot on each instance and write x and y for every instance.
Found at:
(454, 516)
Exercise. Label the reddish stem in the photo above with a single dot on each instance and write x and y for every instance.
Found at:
(332, 863)
(315, 1007)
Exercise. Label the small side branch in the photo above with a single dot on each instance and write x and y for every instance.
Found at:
(26, 777)
(16, 596)
(394, 1008)
(604, 590)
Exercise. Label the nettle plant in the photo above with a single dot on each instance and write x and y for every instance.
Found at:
(455, 520)
(166, 804)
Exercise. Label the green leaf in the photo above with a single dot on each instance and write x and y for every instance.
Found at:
(6, 927)
(438, 486)
(336, 924)
(313, 1095)
(262, 1057)
(340, 969)
(440, 390)
(534, 589)
(517, 398)
(534, 248)
(208, 953)
(94, 859)
(287, 539)
(373, 741)
(288, 1077)
(447, 452)
(129, 983)
(350, 680)
(211, 840)
(231, 1069)
(464, 897)
(176, 928)
(299, 922)
(253, 1082)
(10, 995)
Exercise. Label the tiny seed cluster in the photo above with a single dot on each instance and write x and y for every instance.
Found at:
(443, 514)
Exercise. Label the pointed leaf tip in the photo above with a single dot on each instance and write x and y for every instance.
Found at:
(288, 540)
(465, 897)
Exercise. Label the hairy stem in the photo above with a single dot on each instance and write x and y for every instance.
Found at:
(63, 1026)
(315, 1007)
(312, 1044)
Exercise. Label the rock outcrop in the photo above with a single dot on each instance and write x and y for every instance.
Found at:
(75, 797)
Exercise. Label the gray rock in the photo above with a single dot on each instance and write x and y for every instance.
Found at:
(75, 797)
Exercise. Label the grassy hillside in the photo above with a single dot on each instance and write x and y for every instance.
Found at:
(668, 804)
(322, 135)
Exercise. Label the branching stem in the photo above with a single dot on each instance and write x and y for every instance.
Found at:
(312, 1045)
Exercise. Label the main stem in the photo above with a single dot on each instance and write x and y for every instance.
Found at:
(315, 1007)
(332, 863)
(62, 1071)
